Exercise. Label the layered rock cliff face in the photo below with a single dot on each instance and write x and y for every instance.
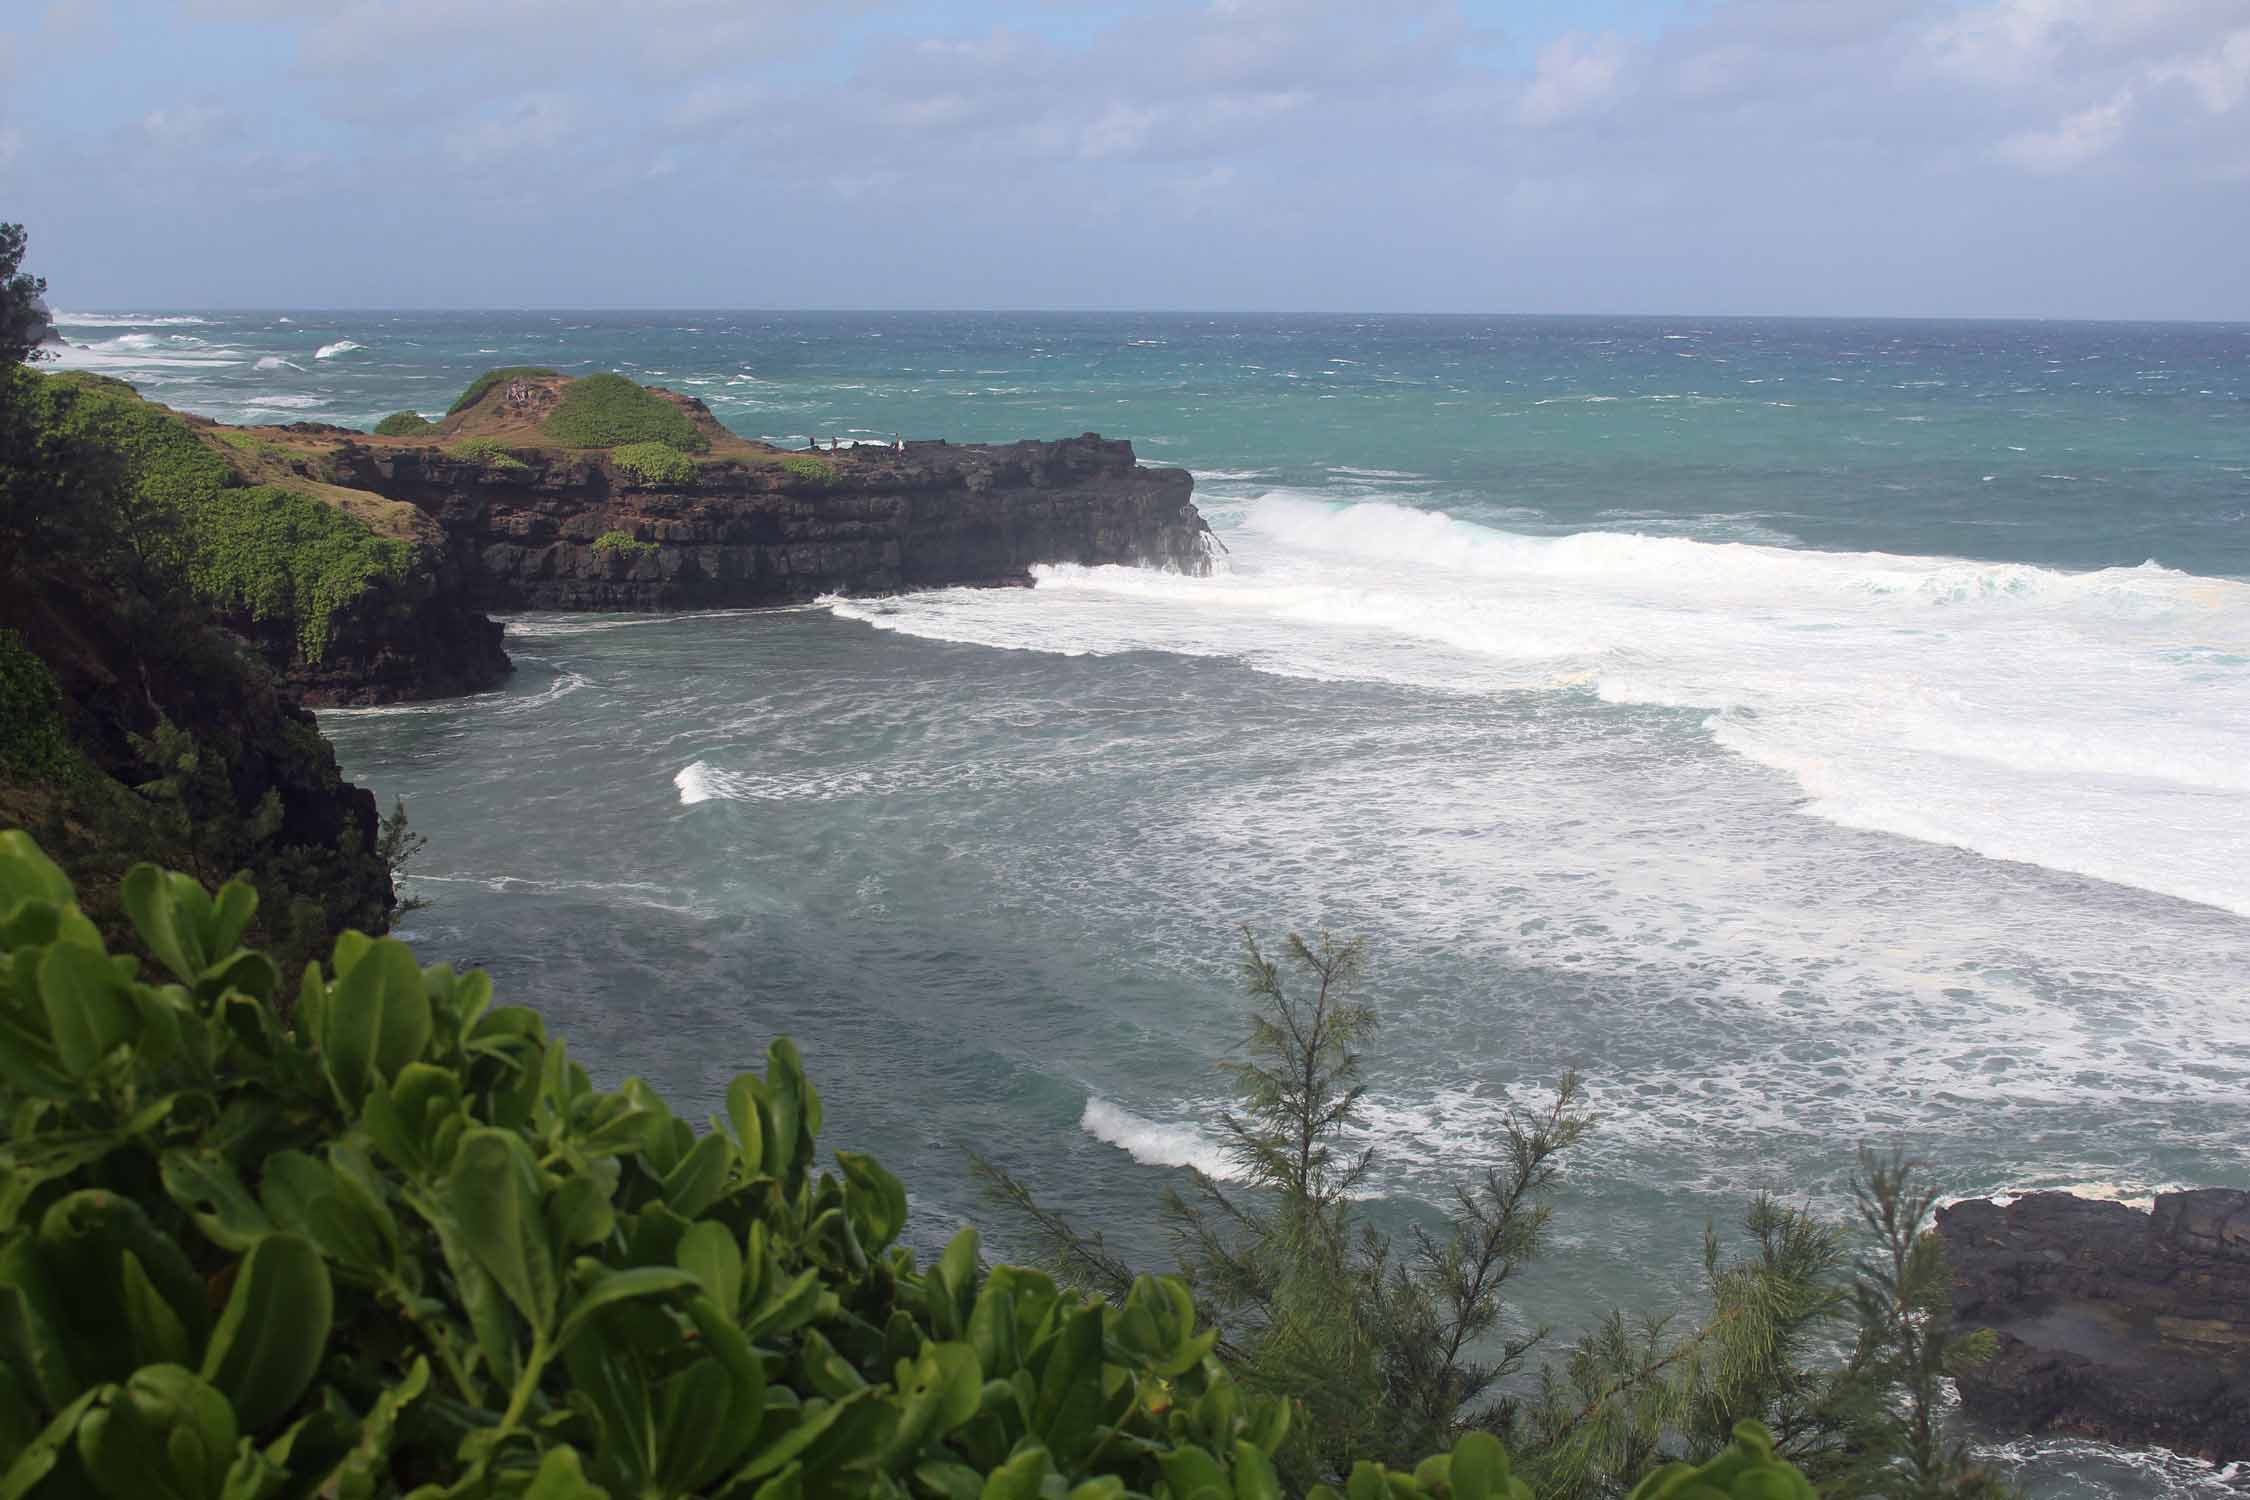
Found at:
(763, 528)
(2115, 1324)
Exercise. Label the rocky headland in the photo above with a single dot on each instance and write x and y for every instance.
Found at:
(2113, 1323)
(540, 492)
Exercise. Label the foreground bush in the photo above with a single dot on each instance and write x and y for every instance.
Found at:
(654, 463)
(404, 424)
(403, 1245)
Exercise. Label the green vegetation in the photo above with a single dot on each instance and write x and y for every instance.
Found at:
(275, 554)
(398, 1244)
(34, 741)
(404, 424)
(270, 553)
(490, 452)
(249, 443)
(818, 471)
(1394, 1348)
(623, 542)
(491, 378)
(23, 315)
(608, 411)
(654, 463)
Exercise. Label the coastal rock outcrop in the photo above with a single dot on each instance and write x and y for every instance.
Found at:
(2127, 1326)
(574, 529)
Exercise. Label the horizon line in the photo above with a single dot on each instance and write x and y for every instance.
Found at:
(157, 309)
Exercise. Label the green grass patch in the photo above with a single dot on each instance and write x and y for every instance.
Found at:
(654, 463)
(624, 542)
(491, 378)
(608, 411)
(490, 452)
(250, 443)
(404, 424)
(271, 552)
(812, 470)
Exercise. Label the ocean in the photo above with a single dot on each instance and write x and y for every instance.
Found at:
(1813, 733)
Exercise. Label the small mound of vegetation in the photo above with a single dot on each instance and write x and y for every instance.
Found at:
(654, 463)
(404, 424)
(607, 411)
(491, 378)
(249, 443)
(624, 542)
(490, 452)
(816, 471)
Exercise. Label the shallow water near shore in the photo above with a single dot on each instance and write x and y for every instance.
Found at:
(1812, 733)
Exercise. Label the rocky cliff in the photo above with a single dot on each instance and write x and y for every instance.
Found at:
(573, 529)
(2113, 1323)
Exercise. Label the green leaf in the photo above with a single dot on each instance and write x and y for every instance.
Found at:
(207, 1186)
(621, 1286)
(701, 1176)
(271, 1337)
(1022, 1476)
(1254, 1477)
(1479, 1470)
(150, 900)
(561, 1477)
(494, 1197)
(159, 1336)
(745, 1108)
(166, 1434)
(35, 1462)
(89, 1008)
(708, 1251)
(813, 1421)
(875, 1199)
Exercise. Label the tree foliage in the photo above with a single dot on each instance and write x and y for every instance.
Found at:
(1391, 1347)
(402, 1246)
(404, 424)
(23, 312)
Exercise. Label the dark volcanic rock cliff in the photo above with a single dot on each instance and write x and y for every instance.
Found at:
(779, 529)
(2115, 1324)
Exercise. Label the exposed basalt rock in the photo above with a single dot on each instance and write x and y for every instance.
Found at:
(2129, 1327)
(752, 530)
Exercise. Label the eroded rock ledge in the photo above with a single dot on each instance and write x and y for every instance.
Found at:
(759, 530)
(2129, 1327)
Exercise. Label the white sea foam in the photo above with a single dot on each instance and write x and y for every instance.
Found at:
(2020, 712)
(275, 362)
(283, 403)
(1153, 1144)
(145, 351)
(125, 320)
(341, 346)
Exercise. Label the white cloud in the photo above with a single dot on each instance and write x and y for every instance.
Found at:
(2074, 140)
(1576, 73)
(2220, 77)
(1119, 130)
(11, 146)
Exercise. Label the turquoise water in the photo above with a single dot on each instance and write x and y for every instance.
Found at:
(1813, 733)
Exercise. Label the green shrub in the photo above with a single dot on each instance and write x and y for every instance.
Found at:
(817, 471)
(34, 741)
(654, 463)
(490, 452)
(403, 1245)
(606, 411)
(404, 424)
(624, 541)
(491, 378)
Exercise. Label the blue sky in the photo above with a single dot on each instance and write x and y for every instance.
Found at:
(2062, 158)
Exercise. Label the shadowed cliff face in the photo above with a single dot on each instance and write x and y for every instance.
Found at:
(761, 530)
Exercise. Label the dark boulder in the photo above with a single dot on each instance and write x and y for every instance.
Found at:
(2129, 1327)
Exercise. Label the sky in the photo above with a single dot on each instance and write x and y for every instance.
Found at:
(1942, 158)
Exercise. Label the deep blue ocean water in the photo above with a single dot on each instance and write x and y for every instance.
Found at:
(1812, 732)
